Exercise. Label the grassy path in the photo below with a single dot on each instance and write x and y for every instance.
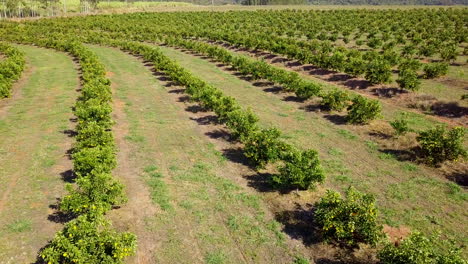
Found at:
(408, 194)
(201, 212)
(33, 147)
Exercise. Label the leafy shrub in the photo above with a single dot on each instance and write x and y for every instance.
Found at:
(335, 100)
(391, 56)
(379, 71)
(263, 147)
(408, 79)
(242, 123)
(356, 66)
(301, 170)
(400, 126)
(96, 193)
(363, 110)
(96, 89)
(439, 145)
(418, 249)
(434, 70)
(11, 68)
(306, 90)
(94, 110)
(348, 221)
(91, 134)
(409, 64)
(98, 159)
(226, 105)
(374, 43)
(5, 87)
(449, 52)
(86, 240)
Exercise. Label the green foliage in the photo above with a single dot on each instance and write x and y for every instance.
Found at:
(409, 64)
(336, 100)
(449, 52)
(94, 110)
(418, 249)
(348, 221)
(5, 87)
(87, 240)
(306, 90)
(91, 134)
(242, 123)
(379, 71)
(95, 194)
(408, 80)
(356, 66)
(97, 159)
(400, 126)
(300, 260)
(300, 170)
(10, 68)
(96, 89)
(224, 106)
(263, 147)
(438, 144)
(374, 42)
(363, 110)
(434, 70)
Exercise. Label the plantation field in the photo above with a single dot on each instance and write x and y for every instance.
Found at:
(246, 136)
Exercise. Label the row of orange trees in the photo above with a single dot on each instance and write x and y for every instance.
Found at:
(444, 40)
(88, 237)
(375, 64)
(297, 168)
(348, 221)
(11, 68)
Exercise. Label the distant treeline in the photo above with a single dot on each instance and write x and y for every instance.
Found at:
(388, 2)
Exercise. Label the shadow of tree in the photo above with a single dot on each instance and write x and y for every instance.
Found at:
(450, 109)
(388, 92)
(339, 77)
(261, 182)
(402, 154)
(58, 216)
(459, 177)
(194, 108)
(262, 83)
(357, 84)
(336, 119)
(206, 120)
(299, 224)
(68, 176)
(70, 132)
(275, 89)
(292, 98)
(236, 155)
(220, 134)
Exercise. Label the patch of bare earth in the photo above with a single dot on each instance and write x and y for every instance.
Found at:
(132, 215)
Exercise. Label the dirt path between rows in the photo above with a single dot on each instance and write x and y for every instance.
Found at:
(132, 215)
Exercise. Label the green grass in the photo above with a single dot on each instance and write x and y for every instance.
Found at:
(348, 154)
(33, 152)
(187, 173)
(20, 226)
(216, 257)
